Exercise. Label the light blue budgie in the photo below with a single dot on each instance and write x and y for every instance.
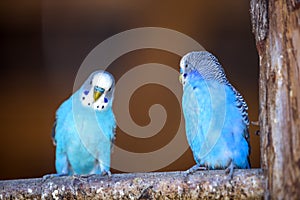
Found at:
(216, 117)
(84, 129)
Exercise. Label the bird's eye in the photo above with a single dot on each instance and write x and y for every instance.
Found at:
(109, 89)
(90, 82)
(186, 65)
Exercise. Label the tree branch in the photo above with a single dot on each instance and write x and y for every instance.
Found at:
(166, 185)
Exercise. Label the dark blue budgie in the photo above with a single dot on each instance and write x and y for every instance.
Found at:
(84, 129)
(216, 117)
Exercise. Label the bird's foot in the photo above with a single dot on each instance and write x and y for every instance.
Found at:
(50, 176)
(103, 173)
(80, 178)
(84, 176)
(229, 170)
(106, 173)
(195, 168)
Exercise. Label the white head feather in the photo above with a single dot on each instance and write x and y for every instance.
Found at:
(100, 79)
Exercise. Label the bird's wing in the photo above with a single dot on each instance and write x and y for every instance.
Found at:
(242, 108)
(59, 130)
(241, 104)
(53, 133)
(61, 113)
(113, 138)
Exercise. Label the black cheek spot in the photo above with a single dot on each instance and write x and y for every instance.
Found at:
(83, 98)
(89, 104)
(184, 75)
(105, 100)
(97, 106)
(102, 107)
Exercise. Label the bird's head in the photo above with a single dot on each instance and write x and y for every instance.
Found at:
(204, 63)
(98, 90)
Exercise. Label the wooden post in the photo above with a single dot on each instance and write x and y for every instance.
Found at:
(276, 26)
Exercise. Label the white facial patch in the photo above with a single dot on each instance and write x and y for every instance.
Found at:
(101, 80)
(182, 71)
(101, 103)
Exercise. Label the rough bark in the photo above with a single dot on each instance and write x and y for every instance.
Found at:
(168, 185)
(276, 26)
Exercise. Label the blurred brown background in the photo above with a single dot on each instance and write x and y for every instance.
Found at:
(44, 42)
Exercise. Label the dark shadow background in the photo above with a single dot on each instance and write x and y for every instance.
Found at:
(44, 42)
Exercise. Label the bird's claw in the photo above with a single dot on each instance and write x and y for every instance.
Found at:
(195, 168)
(50, 176)
(229, 170)
(106, 173)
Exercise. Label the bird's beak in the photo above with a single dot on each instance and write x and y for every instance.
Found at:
(97, 95)
(180, 78)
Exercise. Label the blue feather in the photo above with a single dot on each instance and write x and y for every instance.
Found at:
(199, 114)
(215, 115)
(83, 137)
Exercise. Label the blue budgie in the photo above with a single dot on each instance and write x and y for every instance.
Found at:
(84, 129)
(215, 113)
